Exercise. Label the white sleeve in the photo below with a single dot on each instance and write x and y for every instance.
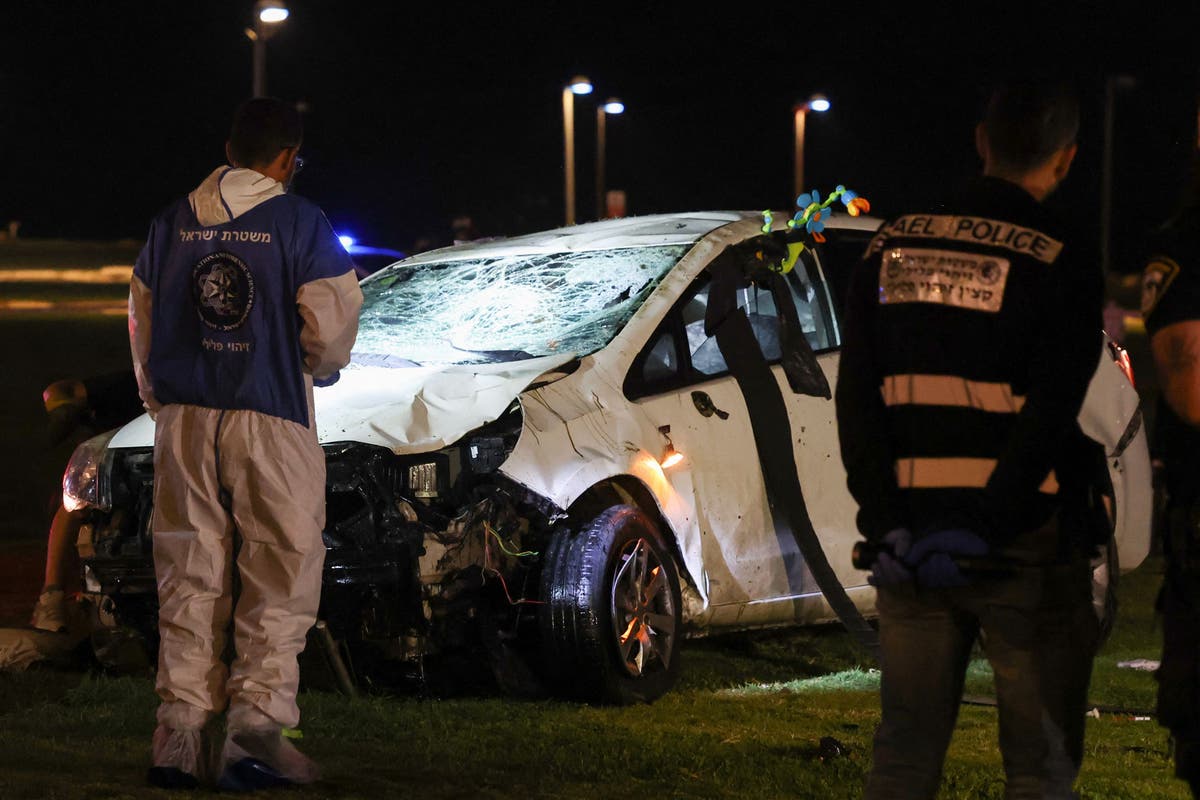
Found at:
(329, 309)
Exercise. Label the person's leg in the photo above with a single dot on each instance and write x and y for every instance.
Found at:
(192, 536)
(924, 646)
(62, 571)
(1178, 692)
(1178, 674)
(275, 472)
(1008, 612)
(1067, 640)
(61, 555)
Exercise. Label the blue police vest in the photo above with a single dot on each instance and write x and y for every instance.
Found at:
(225, 329)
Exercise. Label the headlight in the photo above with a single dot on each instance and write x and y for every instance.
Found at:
(87, 481)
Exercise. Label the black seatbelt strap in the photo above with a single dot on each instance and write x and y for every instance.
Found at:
(773, 433)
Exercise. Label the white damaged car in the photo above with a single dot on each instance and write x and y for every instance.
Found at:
(554, 456)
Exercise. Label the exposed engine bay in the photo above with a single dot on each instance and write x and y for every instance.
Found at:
(429, 557)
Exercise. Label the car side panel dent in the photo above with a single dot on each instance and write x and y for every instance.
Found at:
(581, 431)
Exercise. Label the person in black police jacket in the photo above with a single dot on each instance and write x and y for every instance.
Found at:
(1171, 306)
(972, 333)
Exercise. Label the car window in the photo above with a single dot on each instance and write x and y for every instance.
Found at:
(662, 360)
(811, 297)
(508, 307)
(680, 353)
(839, 256)
(764, 321)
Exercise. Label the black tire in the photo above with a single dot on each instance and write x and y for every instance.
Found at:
(611, 620)
(1106, 571)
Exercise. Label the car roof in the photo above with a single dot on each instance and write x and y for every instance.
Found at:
(652, 229)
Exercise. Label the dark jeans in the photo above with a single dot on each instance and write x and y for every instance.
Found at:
(1038, 629)
(1179, 673)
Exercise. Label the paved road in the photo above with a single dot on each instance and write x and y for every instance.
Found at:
(64, 278)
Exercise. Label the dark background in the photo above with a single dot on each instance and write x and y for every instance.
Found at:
(417, 113)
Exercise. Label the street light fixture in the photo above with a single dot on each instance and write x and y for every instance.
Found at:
(613, 106)
(818, 103)
(578, 85)
(272, 12)
(268, 14)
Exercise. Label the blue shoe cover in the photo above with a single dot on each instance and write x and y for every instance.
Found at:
(250, 775)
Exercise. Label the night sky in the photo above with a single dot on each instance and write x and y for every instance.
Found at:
(109, 110)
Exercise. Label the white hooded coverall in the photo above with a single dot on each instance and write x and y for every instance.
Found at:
(241, 297)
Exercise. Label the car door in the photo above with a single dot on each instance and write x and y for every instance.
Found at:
(755, 571)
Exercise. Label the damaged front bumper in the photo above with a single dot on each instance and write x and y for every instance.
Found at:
(431, 555)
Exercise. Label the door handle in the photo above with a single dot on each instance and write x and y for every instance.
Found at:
(704, 405)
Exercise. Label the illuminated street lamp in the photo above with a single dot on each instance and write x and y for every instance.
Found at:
(818, 103)
(613, 106)
(578, 85)
(268, 16)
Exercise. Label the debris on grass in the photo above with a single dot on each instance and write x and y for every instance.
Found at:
(1140, 664)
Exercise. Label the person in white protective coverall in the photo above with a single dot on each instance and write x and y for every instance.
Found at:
(241, 300)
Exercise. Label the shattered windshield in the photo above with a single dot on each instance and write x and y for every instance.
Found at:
(507, 307)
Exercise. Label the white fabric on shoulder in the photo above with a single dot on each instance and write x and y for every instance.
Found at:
(229, 192)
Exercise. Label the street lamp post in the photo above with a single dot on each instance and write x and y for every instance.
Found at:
(578, 85)
(268, 14)
(613, 106)
(818, 103)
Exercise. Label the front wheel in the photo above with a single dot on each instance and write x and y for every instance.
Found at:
(611, 615)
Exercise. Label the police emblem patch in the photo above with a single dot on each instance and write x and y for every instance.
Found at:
(946, 277)
(1155, 279)
(222, 291)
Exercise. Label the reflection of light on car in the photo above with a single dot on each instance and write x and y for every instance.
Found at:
(671, 457)
(1121, 356)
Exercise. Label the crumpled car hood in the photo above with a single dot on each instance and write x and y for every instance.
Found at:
(407, 410)
(418, 409)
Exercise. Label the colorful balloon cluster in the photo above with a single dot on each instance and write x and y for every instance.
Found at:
(812, 214)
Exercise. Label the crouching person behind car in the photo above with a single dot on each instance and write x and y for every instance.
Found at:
(240, 300)
(972, 333)
(92, 405)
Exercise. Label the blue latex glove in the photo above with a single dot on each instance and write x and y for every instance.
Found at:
(888, 570)
(932, 557)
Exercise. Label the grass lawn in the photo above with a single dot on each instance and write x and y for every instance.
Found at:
(753, 717)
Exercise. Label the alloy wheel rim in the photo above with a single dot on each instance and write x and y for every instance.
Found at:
(643, 610)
